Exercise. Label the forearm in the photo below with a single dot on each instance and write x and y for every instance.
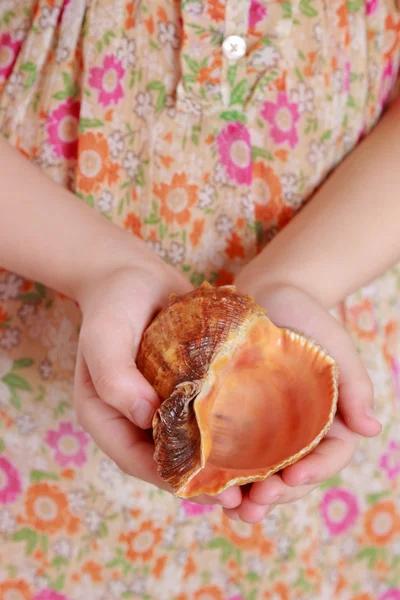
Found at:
(49, 235)
(350, 232)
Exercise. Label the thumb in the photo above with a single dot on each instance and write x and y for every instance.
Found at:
(109, 348)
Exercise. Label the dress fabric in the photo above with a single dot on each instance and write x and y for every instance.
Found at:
(135, 107)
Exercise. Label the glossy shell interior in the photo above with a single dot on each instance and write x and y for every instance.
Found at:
(242, 398)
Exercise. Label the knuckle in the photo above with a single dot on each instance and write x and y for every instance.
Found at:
(107, 387)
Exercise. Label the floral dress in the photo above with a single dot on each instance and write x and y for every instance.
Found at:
(205, 145)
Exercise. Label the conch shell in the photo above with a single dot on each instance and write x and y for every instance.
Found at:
(242, 398)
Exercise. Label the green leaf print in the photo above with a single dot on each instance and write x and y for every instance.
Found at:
(197, 279)
(307, 9)
(374, 498)
(232, 74)
(192, 64)
(2, 446)
(260, 153)
(238, 93)
(15, 399)
(16, 381)
(41, 290)
(223, 545)
(372, 555)
(287, 10)
(37, 476)
(30, 69)
(70, 90)
(28, 536)
(59, 561)
(355, 5)
(253, 577)
(22, 363)
(334, 481)
(233, 115)
(89, 124)
(326, 135)
(58, 584)
(9, 14)
(159, 87)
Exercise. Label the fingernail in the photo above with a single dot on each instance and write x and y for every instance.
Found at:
(304, 480)
(274, 499)
(141, 413)
(371, 415)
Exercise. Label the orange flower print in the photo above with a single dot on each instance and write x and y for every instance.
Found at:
(94, 164)
(176, 199)
(390, 348)
(381, 523)
(235, 247)
(133, 224)
(245, 536)
(216, 10)
(47, 508)
(363, 321)
(209, 592)
(392, 36)
(280, 591)
(212, 73)
(15, 589)
(268, 197)
(224, 278)
(197, 232)
(142, 543)
(3, 315)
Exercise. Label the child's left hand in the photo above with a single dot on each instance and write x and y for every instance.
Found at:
(291, 307)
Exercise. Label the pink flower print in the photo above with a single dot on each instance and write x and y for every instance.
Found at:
(68, 443)
(63, 129)
(390, 461)
(10, 485)
(194, 510)
(387, 82)
(257, 12)
(340, 510)
(107, 79)
(9, 49)
(49, 595)
(393, 594)
(282, 116)
(372, 5)
(235, 152)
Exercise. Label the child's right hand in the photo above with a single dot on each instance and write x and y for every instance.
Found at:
(113, 401)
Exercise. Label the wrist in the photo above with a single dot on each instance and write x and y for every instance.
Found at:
(277, 266)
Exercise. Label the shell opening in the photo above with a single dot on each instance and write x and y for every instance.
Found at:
(268, 403)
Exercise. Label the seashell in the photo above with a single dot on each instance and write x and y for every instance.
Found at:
(241, 398)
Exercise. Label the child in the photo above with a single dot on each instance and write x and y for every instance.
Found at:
(170, 143)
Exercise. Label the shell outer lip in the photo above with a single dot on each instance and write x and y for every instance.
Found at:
(306, 341)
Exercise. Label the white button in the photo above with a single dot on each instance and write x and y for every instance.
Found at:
(234, 47)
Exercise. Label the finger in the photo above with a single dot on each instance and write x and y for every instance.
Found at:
(355, 388)
(331, 456)
(124, 443)
(232, 513)
(127, 445)
(269, 498)
(229, 499)
(251, 512)
(270, 491)
(109, 345)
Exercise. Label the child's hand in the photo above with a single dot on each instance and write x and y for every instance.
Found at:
(114, 403)
(290, 307)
